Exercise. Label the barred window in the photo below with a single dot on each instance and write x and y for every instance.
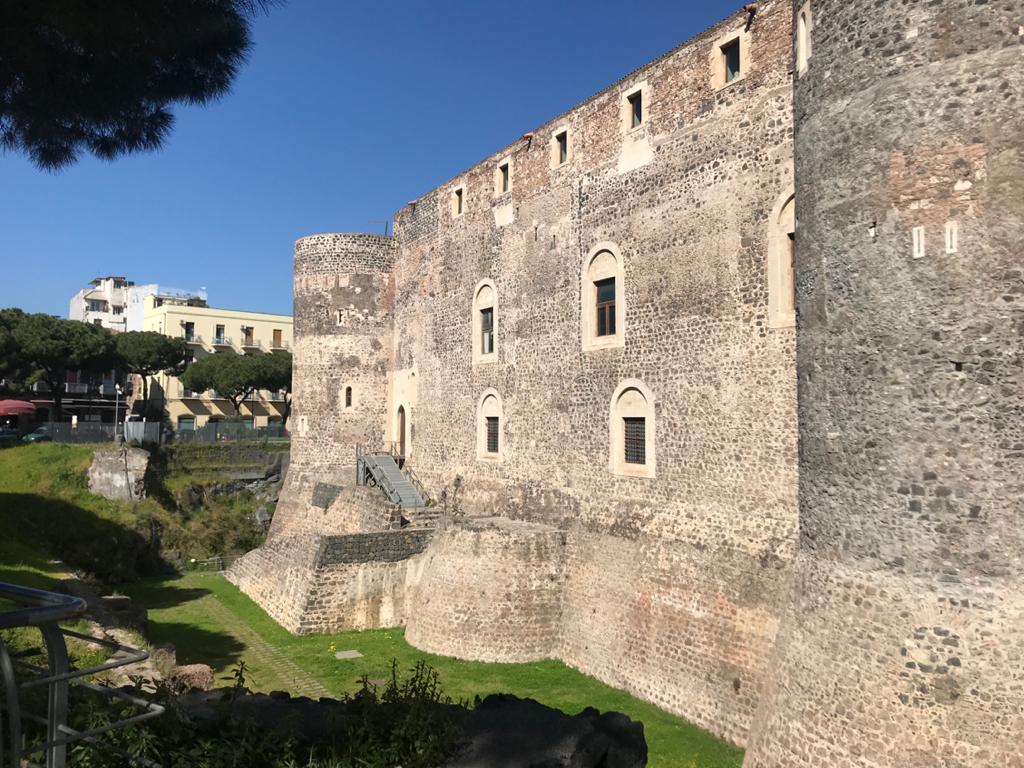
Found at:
(635, 434)
(492, 434)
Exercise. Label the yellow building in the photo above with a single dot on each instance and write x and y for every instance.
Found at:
(209, 330)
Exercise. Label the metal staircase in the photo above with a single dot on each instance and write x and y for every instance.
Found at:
(382, 468)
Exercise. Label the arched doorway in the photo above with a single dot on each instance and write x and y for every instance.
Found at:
(401, 430)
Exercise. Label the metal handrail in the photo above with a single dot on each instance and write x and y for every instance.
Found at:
(44, 610)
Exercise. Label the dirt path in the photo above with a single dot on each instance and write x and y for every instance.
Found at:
(271, 664)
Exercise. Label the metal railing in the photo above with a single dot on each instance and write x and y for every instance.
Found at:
(44, 611)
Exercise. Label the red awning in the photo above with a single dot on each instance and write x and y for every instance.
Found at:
(16, 408)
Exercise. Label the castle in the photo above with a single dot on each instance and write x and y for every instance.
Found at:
(715, 382)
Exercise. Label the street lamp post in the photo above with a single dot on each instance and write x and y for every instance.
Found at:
(117, 408)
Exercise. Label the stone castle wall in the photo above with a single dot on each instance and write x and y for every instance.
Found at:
(687, 201)
(904, 642)
(669, 586)
(342, 339)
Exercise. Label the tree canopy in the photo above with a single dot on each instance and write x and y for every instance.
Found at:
(233, 376)
(52, 347)
(276, 375)
(102, 77)
(147, 353)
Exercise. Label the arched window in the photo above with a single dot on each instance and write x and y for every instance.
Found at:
(485, 323)
(603, 298)
(780, 268)
(490, 429)
(803, 38)
(632, 430)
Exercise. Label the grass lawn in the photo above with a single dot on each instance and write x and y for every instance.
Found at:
(210, 621)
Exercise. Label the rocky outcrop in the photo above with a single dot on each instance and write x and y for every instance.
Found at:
(119, 473)
(508, 732)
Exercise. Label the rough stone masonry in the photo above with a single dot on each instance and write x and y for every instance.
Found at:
(587, 347)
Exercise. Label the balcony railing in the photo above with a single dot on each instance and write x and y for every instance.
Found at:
(248, 343)
(192, 338)
(76, 389)
(280, 345)
(222, 341)
(188, 394)
(30, 734)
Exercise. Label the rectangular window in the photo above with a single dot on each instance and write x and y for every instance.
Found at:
(186, 423)
(635, 432)
(277, 338)
(117, 310)
(247, 331)
(190, 331)
(731, 55)
(218, 336)
(605, 306)
(487, 330)
(636, 109)
(503, 178)
(563, 147)
(458, 202)
(348, 397)
(492, 434)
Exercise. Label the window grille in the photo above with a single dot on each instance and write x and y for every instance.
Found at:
(492, 434)
(487, 330)
(636, 439)
(605, 306)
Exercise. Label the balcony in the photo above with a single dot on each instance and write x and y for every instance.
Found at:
(281, 346)
(40, 386)
(251, 343)
(187, 394)
(192, 338)
(222, 341)
(107, 390)
(277, 396)
(76, 389)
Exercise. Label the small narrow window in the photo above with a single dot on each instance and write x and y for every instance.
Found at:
(605, 306)
(348, 397)
(731, 56)
(218, 336)
(503, 178)
(635, 439)
(492, 434)
(636, 109)
(563, 147)
(458, 202)
(487, 330)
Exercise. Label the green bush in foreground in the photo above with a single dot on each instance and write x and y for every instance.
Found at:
(408, 723)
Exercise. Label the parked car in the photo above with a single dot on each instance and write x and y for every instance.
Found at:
(39, 435)
(9, 436)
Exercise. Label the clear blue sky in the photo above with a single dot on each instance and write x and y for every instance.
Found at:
(344, 112)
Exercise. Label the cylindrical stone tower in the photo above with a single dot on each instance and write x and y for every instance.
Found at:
(904, 645)
(342, 354)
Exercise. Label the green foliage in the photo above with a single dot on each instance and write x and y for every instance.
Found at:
(52, 347)
(276, 374)
(12, 364)
(147, 353)
(233, 376)
(71, 80)
(410, 723)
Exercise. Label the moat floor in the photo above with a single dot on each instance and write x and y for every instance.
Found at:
(210, 621)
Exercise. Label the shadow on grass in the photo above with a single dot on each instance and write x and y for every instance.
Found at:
(160, 596)
(195, 645)
(85, 541)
